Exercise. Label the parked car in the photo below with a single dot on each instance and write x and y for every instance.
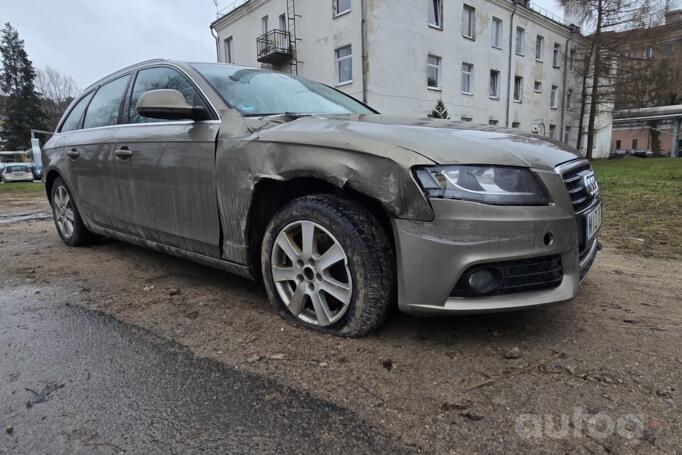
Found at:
(341, 211)
(17, 173)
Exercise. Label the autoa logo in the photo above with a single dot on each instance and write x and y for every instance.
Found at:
(590, 184)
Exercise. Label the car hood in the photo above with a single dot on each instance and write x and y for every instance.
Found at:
(441, 141)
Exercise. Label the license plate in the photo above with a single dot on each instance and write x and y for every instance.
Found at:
(593, 221)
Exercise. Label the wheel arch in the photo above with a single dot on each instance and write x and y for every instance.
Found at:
(50, 178)
(270, 195)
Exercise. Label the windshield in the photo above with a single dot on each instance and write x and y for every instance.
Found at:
(17, 169)
(255, 92)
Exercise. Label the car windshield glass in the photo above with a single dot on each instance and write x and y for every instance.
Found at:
(255, 92)
(17, 169)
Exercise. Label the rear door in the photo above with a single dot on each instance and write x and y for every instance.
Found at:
(166, 169)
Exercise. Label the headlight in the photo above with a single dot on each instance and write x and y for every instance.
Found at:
(499, 185)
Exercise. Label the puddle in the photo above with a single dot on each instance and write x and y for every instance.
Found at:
(26, 216)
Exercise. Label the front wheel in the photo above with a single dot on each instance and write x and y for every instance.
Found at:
(66, 216)
(327, 264)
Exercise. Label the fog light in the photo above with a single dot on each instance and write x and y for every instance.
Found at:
(484, 280)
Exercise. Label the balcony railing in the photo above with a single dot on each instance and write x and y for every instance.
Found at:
(274, 47)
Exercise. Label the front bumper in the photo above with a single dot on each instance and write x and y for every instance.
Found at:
(432, 256)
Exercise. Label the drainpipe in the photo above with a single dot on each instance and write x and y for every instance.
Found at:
(217, 44)
(562, 131)
(509, 64)
(363, 47)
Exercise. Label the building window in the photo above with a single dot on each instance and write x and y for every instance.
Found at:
(648, 53)
(516, 124)
(283, 22)
(494, 90)
(553, 97)
(567, 134)
(518, 88)
(436, 13)
(341, 7)
(618, 144)
(492, 122)
(496, 33)
(556, 55)
(264, 24)
(539, 47)
(344, 65)
(668, 49)
(520, 38)
(229, 50)
(433, 72)
(552, 131)
(466, 118)
(569, 99)
(537, 86)
(571, 60)
(467, 72)
(469, 22)
(634, 144)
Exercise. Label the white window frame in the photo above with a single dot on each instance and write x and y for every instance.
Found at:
(537, 86)
(494, 77)
(571, 59)
(438, 14)
(338, 12)
(539, 39)
(520, 44)
(493, 122)
(265, 24)
(516, 124)
(496, 33)
(551, 131)
(518, 94)
(553, 97)
(648, 53)
(469, 22)
(339, 59)
(466, 118)
(437, 66)
(283, 22)
(229, 49)
(468, 78)
(556, 55)
(569, 99)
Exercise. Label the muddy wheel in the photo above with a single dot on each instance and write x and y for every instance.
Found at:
(67, 219)
(328, 264)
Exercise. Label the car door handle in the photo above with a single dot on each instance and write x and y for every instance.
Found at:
(124, 153)
(73, 154)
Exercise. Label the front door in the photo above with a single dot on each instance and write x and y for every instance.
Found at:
(166, 171)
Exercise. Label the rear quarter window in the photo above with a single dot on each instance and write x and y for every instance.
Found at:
(73, 119)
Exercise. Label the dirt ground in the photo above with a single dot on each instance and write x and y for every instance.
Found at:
(601, 374)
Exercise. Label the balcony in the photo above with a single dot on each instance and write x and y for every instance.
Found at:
(274, 47)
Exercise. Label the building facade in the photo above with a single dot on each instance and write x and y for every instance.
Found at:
(653, 129)
(492, 62)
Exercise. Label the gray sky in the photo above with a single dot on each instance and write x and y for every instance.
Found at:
(88, 39)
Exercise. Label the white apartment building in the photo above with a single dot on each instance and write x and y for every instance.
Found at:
(495, 62)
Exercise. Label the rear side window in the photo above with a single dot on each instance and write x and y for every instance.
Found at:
(73, 120)
(156, 79)
(104, 107)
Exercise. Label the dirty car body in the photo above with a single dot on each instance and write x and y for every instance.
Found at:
(469, 218)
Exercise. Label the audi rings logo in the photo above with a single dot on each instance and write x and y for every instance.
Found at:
(590, 184)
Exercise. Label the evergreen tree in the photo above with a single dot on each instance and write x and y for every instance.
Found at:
(440, 111)
(23, 107)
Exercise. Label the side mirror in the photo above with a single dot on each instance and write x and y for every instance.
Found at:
(170, 105)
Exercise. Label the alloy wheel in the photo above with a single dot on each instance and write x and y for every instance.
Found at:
(311, 273)
(63, 211)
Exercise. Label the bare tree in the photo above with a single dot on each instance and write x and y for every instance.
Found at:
(57, 91)
(600, 56)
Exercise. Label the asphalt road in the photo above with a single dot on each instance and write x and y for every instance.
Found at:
(77, 381)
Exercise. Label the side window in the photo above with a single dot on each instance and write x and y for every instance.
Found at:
(104, 107)
(72, 121)
(160, 78)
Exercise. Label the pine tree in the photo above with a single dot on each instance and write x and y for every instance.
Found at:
(440, 111)
(23, 107)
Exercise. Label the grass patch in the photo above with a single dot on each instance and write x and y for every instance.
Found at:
(21, 189)
(642, 205)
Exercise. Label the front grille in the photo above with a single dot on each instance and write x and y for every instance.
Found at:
(573, 179)
(517, 276)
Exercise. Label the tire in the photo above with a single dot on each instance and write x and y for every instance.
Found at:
(67, 218)
(349, 286)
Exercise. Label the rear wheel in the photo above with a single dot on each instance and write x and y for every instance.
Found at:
(327, 264)
(67, 219)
